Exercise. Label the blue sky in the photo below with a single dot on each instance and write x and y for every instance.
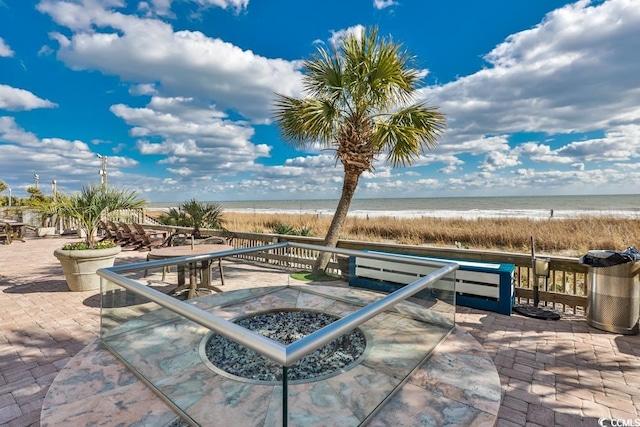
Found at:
(541, 96)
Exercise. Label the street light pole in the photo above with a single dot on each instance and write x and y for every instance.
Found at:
(37, 178)
(9, 197)
(54, 189)
(103, 170)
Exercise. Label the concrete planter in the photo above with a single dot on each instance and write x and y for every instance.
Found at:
(46, 231)
(80, 266)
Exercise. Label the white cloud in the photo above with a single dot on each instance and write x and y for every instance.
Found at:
(427, 182)
(45, 51)
(12, 133)
(571, 73)
(181, 118)
(481, 145)
(148, 51)
(499, 160)
(449, 169)
(163, 7)
(14, 99)
(386, 185)
(184, 171)
(197, 137)
(71, 163)
(337, 36)
(143, 89)
(380, 172)
(620, 143)
(436, 157)
(279, 172)
(5, 50)
(382, 4)
(312, 162)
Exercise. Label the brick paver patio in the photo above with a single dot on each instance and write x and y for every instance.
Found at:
(552, 373)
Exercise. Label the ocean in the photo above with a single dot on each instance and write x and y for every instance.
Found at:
(535, 207)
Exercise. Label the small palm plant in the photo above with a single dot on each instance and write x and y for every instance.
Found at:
(46, 209)
(193, 213)
(91, 205)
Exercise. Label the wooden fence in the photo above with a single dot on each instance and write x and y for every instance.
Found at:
(565, 289)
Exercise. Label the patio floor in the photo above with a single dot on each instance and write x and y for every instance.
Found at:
(552, 373)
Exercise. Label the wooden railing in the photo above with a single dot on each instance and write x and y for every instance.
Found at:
(565, 290)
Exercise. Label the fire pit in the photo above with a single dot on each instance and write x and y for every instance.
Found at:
(285, 326)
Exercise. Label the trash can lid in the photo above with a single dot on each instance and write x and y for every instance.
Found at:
(600, 253)
(603, 258)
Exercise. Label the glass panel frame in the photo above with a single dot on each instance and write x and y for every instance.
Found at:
(160, 338)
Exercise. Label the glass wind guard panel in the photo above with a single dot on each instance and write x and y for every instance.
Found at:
(399, 340)
(170, 352)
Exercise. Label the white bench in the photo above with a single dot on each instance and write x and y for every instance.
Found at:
(487, 286)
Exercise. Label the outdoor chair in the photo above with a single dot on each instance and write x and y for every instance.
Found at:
(5, 233)
(121, 238)
(134, 238)
(178, 238)
(150, 238)
(109, 234)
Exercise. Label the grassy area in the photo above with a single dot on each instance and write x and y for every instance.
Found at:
(308, 276)
(570, 237)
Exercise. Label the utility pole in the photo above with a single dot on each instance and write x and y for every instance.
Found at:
(103, 170)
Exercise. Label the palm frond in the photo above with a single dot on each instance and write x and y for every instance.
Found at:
(324, 73)
(93, 202)
(305, 120)
(406, 133)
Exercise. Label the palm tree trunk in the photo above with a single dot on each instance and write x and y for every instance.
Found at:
(349, 186)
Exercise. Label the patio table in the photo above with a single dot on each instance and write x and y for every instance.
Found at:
(205, 265)
(14, 230)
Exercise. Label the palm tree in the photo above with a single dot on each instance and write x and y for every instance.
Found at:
(35, 193)
(194, 214)
(359, 103)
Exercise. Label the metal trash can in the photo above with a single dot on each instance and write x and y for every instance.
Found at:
(613, 295)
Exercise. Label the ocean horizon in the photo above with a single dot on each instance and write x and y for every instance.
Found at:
(535, 207)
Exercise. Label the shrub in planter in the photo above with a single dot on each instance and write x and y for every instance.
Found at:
(81, 260)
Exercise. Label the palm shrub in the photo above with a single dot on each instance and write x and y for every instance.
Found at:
(195, 214)
(47, 209)
(288, 230)
(284, 229)
(92, 204)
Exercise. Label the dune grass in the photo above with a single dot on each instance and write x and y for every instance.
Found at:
(570, 237)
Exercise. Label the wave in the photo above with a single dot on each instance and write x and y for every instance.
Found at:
(537, 214)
